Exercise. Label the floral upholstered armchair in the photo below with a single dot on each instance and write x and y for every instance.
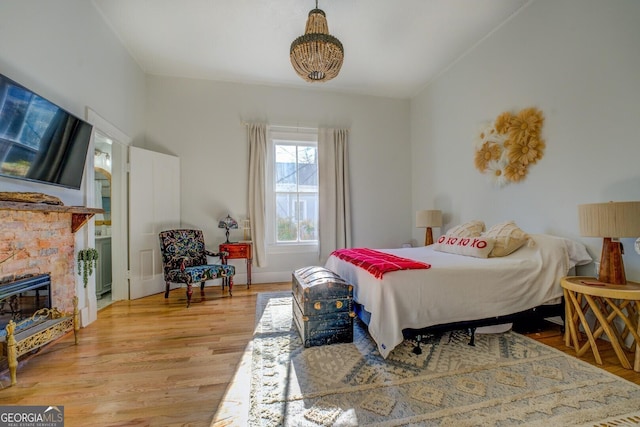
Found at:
(184, 260)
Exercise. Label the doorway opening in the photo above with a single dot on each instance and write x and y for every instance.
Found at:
(103, 225)
(115, 222)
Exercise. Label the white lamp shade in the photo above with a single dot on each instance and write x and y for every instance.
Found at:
(428, 218)
(612, 219)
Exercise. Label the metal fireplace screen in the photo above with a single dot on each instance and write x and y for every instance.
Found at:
(19, 299)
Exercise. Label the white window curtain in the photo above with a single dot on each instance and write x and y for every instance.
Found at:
(257, 133)
(335, 204)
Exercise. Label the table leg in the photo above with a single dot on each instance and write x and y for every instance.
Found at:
(613, 336)
(591, 342)
(249, 262)
(568, 319)
(576, 308)
(636, 363)
(629, 319)
(636, 360)
(598, 328)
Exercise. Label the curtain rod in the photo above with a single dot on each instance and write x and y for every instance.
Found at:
(287, 126)
(295, 127)
(291, 127)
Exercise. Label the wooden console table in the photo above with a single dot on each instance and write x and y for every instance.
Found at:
(607, 302)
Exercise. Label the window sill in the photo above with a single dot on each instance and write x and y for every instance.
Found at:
(292, 248)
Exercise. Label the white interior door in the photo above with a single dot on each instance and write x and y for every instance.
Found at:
(154, 205)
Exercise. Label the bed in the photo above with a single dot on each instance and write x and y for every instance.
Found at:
(458, 289)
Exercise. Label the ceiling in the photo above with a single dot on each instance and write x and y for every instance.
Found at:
(393, 48)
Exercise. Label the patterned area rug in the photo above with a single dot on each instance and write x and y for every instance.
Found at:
(506, 379)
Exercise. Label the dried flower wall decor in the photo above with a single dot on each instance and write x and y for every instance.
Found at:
(509, 145)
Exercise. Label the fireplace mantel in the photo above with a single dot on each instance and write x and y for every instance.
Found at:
(79, 214)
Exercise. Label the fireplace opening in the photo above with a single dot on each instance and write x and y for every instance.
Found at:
(20, 299)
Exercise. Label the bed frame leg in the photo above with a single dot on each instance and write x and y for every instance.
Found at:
(417, 349)
(450, 337)
(472, 341)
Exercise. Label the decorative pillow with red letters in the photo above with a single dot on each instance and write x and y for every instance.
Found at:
(468, 229)
(478, 247)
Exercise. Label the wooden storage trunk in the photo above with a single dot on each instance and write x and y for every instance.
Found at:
(322, 306)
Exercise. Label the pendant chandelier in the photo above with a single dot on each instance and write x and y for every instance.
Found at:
(316, 56)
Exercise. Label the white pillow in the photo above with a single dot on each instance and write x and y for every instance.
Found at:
(578, 254)
(508, 238)
(468, 229)
(478, 247)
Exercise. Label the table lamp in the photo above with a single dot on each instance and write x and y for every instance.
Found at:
(610, 221)
(228, 223)
(428, 219)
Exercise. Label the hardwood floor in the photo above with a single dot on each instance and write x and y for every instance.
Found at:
(153, 362)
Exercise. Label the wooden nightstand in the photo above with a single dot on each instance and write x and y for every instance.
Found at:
(607, 302)
(240, 250)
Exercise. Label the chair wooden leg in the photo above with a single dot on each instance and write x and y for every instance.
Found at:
(189, 293)
(166, 291)
(230, 285)
(201, 288)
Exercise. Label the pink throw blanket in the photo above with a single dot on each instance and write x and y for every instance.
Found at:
(378, 263)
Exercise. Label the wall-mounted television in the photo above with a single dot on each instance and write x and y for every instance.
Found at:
(40, 141)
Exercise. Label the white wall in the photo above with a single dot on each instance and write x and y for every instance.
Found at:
(201, 122)
(65, 52)
(576, 60)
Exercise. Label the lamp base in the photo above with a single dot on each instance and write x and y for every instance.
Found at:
(428, 238)
(611, 265)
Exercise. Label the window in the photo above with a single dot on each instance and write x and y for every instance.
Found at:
(292, 195)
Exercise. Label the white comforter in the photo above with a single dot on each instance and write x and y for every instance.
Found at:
(457, 288)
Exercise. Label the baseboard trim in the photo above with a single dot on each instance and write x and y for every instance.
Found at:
(267, 277)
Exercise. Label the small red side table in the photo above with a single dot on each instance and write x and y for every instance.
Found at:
(240, 250)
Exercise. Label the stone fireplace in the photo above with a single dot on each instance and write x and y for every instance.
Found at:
(39, 239)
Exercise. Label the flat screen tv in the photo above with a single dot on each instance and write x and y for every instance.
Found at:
(40, 141)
